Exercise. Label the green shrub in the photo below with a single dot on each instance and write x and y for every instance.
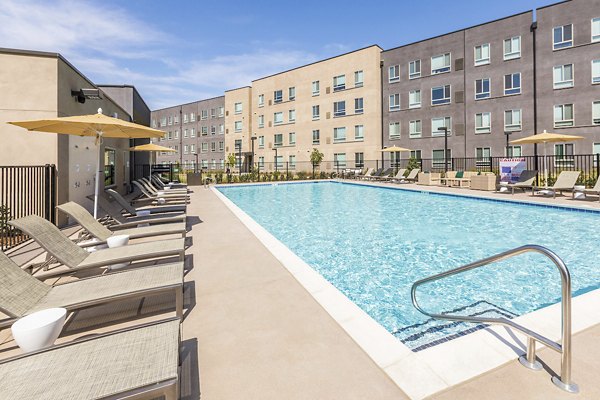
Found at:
(302, 175)
(4, 218)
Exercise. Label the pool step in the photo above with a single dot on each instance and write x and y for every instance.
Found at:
(432, 332)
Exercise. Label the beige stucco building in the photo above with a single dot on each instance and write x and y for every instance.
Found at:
(37, 85)
(332, 105)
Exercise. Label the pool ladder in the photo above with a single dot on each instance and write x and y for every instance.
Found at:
(564, 347)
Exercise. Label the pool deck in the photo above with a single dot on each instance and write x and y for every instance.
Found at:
(252, 330)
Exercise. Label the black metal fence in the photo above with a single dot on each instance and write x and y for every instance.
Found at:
(109, 175)
(25, 190)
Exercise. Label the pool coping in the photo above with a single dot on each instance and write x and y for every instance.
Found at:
(421, 374)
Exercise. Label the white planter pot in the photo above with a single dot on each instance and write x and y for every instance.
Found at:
(39, 330)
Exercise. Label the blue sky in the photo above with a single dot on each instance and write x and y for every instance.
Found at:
(181, 51)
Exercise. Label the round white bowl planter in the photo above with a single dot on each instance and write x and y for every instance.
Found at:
(143, 213)
(160, 200)
(118, 241)
(39, 330)
(579, 192)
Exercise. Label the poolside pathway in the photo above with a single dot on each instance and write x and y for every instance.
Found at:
(260, 334)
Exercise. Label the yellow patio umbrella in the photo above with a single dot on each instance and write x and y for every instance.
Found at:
(546, 137)
(152, 148)
(394, 149)
(95, 125)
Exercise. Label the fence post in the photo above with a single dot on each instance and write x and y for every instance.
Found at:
(337, 167)
(287, 170)
(597, 165)
(170, 172)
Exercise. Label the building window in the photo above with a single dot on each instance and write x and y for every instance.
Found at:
(221, 129)
(204, 164)
(512, 84)
(563, 115)
(238, 126)
(596, 71)
(292, 138)
(563, 76)
(292, 161)
(339, 108)
(414, 99)
(278, 118)
(563, 155)
(278, 140)
(359, 132)
(153, 123)
(193, 148)
(185, 133)
(416, 154)
(315, 112)
(185, 118)
(204, 114)
(279, 161)
(440, 122)
(482, 156)
(193, 133)
(278, 96)
(204, 130)
(596, 30)
(170, 135)
(292, 93)
(512, 120)
(170, 121)
(596, 113)
(186, 149)
(221, 146)
(438, 158)
(414, 69)
(237, 108)
(440, 95)
(339, 159)
(513, 151)
(213, 112)
(261, 100)
(482, 54)
(483, 122)
(482, 88)
(394, 102)
(562, 37)
(358, 79)
(261, 162)
(163, 121)
(394, 73)
(292, 115)
(339, 134)
(213, 146)
(339, 83)
(261, 121)
(394, 130)
(176, 136)
(358, 106)
(221, 111)
(512, 48)
(316, 139)
(204, 147)
(440, 63)
(414, 129)
(359, 160)
(192, 117)
(213, 130)
(261, 142)
(315, 88)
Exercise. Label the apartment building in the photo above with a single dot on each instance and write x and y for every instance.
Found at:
(238, 126)
(568, 73)
(332, 105)
(196, 131)
(477, 83)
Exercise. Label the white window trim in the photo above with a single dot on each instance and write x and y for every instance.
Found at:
(489, 92)
(598, 116)
(444, 98)
(395, 78)
(395, 135)
(395, 107)
(483, 129)
(415, 134)
(449, 64)
(415, 105)
(415, 75)
(511, 81)
(514, 127)
(597, 39)
(592, 72)
(514, 54)
(483, 61)
(557, 85)
(440, 133)
(563, 34)
(564, 123)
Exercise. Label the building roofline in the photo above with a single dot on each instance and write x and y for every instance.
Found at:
(319, 61)
(458, 30)
(126, 86)
(185, 104)
(553, 4)
(241, 87)
(58, 56)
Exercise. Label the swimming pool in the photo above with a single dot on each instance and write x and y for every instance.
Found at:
(373, 243)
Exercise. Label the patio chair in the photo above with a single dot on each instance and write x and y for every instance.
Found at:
(411, 177)
(152, 208)
(22, 294)
(119, 221)
(525, 181)
(160, 182)
(566, 181)
(399, 175)
(135, 362)
(102, 232)
(595, 190)
(384, 175)
(366, 174)
(159, 195)
(154, 189)
(58, 245)
(374, 174)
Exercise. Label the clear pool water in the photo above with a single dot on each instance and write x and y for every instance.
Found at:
(373, 243)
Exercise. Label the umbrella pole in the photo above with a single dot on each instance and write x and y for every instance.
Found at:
(546, 163)
(99, 141)
(150, 158)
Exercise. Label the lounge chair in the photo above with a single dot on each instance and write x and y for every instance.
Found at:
(158, 180)
(526, 181)
(566, 181)
(374, 174)
(152, 208)
(399, 175)
(366, 174)
(132, 363)
(384, 175)
(119, 221)
(595, 190)
(99, 231)
(22, 294)
(411, 178)
(73, 256)
(153, 188)
(147, 193)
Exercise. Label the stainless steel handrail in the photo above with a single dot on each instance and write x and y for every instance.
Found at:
(529, 361)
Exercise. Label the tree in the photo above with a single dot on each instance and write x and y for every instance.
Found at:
(316, 157)
(413, 163)
(231, 160)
